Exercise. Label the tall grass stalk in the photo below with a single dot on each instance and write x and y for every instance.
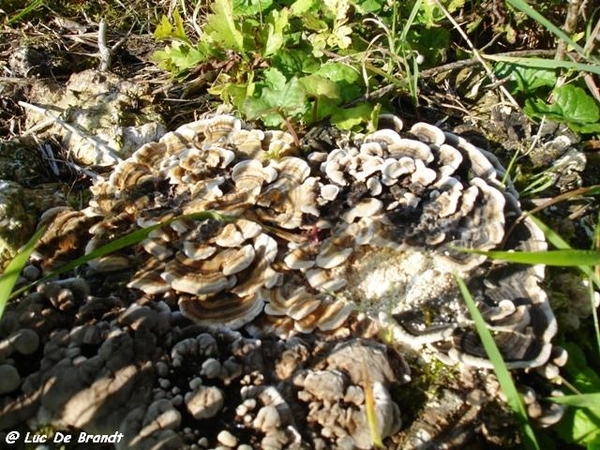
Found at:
(14, 268)
(507, 384)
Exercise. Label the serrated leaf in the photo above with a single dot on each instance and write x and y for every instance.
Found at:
(168, 30)
(179, 57)
(278, 98)
(275, 79)
(220, 26)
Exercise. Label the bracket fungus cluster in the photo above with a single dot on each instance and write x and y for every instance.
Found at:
(245, 224)
(246, 231)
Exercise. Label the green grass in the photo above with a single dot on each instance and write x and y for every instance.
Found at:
(513, 398)
(11, 274)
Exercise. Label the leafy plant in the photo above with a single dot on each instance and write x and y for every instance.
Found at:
(544, 89)
(309, 60)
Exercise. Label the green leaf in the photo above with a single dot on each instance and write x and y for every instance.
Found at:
(277, 99)
(348, 79)
(166, 30)
(10, 276)
(319, 86)
(221, 28)
(295, 62)
(179, 57)
(276, 24)
(348, 118)
(580, 425)
(571, 104)
(299, 7)
(250, 7)
(526, 79)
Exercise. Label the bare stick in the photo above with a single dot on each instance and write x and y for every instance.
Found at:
(106, 53)
(569, 27)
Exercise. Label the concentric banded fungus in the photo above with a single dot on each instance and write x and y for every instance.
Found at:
(373, 224)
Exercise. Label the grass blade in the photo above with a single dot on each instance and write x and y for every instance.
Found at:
(522, 6)
(543, 63)
(563, 258)
(504, 378)
(11, 274)
(561, 244)
(128, 240)
(579, 401)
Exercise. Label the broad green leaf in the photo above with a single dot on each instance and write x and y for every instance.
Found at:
(11, 274)
(279, 98)
(580, 425)
(318, 86)
(250, 7)
(526, 79)
(571, 104)
(371, 6)
(276, 24)
(504, 378)
(295, 62)
(549, 258)
(348, 118)
(220, 26)
(348, 79)
(339, 72)
(299, 7)
(275, 79)
(290, 99)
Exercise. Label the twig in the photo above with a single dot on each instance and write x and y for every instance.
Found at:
(96, 142)
(569, 27)
(476, 53)
(106, 53)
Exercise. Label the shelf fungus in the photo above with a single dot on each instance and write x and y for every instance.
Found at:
(251, 231)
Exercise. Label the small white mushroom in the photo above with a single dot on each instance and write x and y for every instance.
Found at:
(205, 402)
